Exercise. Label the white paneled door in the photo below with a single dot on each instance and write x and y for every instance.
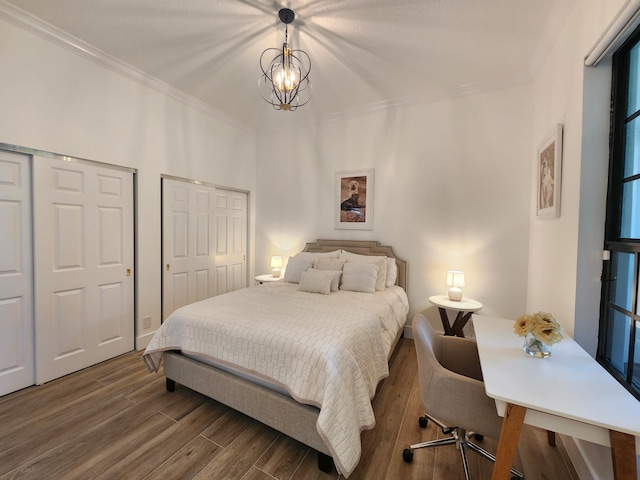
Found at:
(17, 365)
(204, 242)
(231, 240)
(84, 289)
(187, 244)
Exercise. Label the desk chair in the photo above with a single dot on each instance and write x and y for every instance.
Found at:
(452, 391)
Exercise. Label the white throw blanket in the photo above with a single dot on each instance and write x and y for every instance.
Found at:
(329, 351)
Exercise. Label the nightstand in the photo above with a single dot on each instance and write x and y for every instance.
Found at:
(465, 308)
(266, 278)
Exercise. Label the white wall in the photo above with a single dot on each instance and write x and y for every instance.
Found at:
(55, 100)
(451, 191)
(566, 253)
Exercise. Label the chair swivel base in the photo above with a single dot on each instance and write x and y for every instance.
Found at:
(462, 441)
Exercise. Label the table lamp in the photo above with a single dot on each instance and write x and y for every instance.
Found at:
(455, 280)
(276, 264)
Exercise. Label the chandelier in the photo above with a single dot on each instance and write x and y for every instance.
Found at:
(284, 82)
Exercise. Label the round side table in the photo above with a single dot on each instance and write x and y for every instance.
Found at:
(464, 307)
(266, 278)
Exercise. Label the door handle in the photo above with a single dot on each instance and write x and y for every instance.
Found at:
(168, 267)
(128, 272)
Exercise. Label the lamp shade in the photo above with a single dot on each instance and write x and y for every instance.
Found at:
(276, 265)
(455, 280)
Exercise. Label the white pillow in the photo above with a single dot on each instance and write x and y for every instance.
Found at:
(359, 277)
(392, 271)
(314, 256)
(334, 274)
(379, 260)
(316, 281)
(328, 263)
(295, 267)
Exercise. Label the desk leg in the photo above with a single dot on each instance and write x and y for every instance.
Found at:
(508, 443)
(623, 454)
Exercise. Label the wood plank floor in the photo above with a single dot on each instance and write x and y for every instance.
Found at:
(116, 421)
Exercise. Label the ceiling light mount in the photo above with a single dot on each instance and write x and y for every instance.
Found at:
(286, 15)
(284, 82)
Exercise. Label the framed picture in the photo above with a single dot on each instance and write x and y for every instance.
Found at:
(549, 165)
(354, 200)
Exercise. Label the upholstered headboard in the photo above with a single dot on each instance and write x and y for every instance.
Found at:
(362, 247)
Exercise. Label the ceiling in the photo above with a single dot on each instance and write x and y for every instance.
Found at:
(364, 53)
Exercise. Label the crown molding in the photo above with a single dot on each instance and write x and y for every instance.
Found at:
(58, 37)
(438, 95)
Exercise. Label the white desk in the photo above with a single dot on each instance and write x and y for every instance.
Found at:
(568, 393)
(464, 307)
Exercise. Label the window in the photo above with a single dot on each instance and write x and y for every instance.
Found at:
(619, 339)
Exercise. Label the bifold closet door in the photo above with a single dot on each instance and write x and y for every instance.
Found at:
(17, 365)
(187, 244)
(231, 240)
(84, 289)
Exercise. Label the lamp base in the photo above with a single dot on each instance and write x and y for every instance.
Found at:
(455, 294)
(275, 273)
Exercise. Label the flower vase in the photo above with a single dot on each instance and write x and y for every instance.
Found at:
(536, 348)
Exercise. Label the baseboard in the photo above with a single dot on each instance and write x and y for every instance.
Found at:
(576, 455)
(591, 461)
(143, 340)
(408, 332)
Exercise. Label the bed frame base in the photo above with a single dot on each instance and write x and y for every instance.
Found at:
(325, 462)
(278, 411)
(171, 385)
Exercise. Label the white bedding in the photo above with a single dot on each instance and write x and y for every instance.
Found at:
(329, 351)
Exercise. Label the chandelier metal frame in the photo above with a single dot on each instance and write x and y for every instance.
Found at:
(284, 82)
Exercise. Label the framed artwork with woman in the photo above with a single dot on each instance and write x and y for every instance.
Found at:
(549, 166)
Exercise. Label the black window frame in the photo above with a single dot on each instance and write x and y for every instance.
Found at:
(614, 243)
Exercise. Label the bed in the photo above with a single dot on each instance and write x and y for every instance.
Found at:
(272, 352)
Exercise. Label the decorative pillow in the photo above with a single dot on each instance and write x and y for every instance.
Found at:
(392, 271)
(379, 260)
(295, 267)
(316, 281)
(359, 277)
(335, 277)
(328, 263)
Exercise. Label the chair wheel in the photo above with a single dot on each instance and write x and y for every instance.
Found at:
(479, 437)
(423, 421)
(447, 430)
(407, 455)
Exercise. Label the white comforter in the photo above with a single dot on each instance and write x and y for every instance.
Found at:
(325, 350)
